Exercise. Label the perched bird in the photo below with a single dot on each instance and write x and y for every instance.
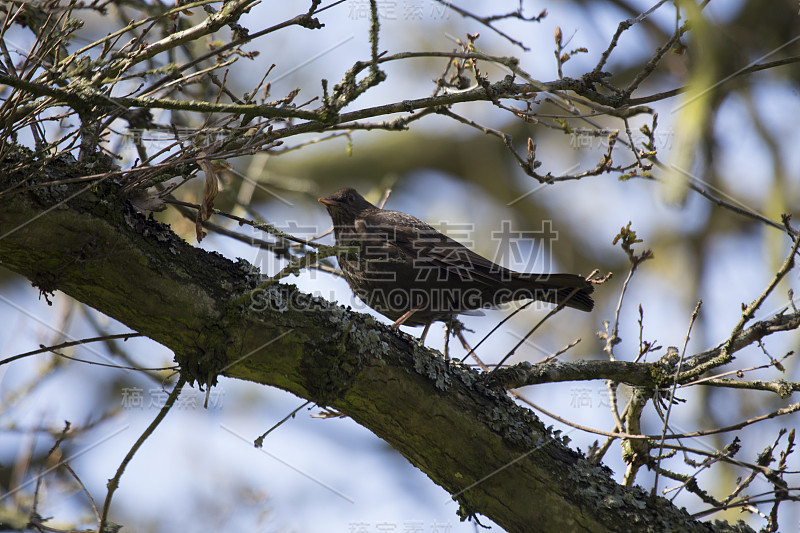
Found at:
(411, 273)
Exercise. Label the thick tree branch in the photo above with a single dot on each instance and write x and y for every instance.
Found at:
(649, 375)
(496, 457)
(523, 374)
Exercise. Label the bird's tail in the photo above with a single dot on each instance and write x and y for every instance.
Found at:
(572, 290)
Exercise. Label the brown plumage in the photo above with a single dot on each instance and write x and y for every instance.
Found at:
(413, 274)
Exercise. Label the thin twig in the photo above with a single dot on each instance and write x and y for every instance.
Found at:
(113, 483)
(671, 401)
(259, 442)
(45, 349)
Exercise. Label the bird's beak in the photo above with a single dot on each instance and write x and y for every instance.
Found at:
(326, 202)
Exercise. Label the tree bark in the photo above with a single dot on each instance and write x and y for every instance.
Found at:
(494, 456)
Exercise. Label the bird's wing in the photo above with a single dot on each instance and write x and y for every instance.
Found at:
(431, 254)
(411, 238)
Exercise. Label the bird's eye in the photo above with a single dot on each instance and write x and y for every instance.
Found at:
(351, 198)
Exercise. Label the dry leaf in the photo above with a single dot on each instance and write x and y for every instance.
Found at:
(210, 193)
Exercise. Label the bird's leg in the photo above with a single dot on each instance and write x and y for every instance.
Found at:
(447, 329)
(425, 332)
(453, 327)
(406, 315)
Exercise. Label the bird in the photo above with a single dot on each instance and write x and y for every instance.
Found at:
(409, 272)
